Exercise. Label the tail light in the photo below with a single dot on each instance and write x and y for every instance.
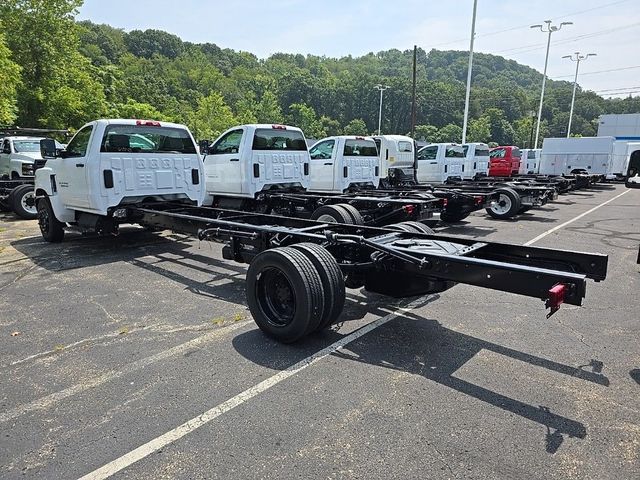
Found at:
(148, 123)
(278, 127)
(556, 298)
(445, 202)
(409, 209)
(479, 200)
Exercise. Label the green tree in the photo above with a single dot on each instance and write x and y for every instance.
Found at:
(136, 110)
(501, 130)
(479, 130)
(9, 82)
(267, 110)
(153, 42)
(426, 133)
(304, 117)
(356, 127)
(211, 117)
(450, 133)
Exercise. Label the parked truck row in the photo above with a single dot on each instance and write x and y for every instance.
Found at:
(150, 173)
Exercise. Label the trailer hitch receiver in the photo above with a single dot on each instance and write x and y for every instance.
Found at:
(556, 298)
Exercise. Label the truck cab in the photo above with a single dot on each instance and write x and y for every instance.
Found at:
(476, 160)
(504, 161)
(397, 158)
(17, 156)
(343, 163)
(439, 162)
(530, 161)
(248, 159)
(111, 164)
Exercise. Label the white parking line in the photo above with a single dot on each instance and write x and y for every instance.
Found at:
(189, 426)
(562, 225)
(45, 402)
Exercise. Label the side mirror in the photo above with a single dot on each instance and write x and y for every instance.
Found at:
(204, 146)
(48, 148)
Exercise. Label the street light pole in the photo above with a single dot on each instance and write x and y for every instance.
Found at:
(382, 88)
(578, 59)
(546, 28)
(468, 94)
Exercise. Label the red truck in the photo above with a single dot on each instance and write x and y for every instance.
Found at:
(504, 161)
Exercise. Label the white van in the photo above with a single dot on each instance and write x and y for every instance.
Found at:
(344, 162)
(476, 160)
(530, 162)
(397, 158)
(439, 162)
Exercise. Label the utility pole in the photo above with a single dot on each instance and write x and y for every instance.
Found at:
(466, 100)
(382, 88)
(413, 94)
(578, 59)
(549, 29)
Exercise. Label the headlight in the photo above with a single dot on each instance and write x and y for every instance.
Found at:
(27, 170)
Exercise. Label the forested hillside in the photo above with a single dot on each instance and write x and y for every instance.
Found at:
(56, 72)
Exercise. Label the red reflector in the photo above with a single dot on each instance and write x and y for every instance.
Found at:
(409, 209)
(445, 202)
(278, 127)
(148, 123)
(556, 298)
(479, 200)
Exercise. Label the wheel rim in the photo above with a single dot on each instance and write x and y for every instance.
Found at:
(28, 203)
(503, 205)
(276, 297)
(43, 220)
(326, 218)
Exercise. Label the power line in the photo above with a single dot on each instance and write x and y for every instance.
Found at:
(616, 89)
(602, 71)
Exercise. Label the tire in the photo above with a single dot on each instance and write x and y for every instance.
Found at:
(452, 217)
(507, 205)
(332, 214)
(23, 202)
(289, 274)
(332, 281)
(353, 212)
(52, 230)
(411, 227)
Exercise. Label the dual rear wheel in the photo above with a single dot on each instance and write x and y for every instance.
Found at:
(294, 291)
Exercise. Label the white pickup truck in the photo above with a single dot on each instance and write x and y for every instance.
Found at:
(17, 156)
(439, 162)
(110, 164)
(343, 163)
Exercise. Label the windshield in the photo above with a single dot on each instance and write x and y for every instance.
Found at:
(360, 148)
(26, 146)
(147, 139)
(278, 139)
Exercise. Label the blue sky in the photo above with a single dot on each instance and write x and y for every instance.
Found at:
(355, 27)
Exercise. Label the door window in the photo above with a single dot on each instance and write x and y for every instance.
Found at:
(79, 143)
(497, 153)
(230, 143)
(322, 151)
(428, 153)
(405, 146)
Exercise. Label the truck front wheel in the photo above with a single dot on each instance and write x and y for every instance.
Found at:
(52, 230)
(23, 201)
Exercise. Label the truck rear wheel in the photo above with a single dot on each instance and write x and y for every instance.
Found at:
(23, 201)
(52, 230)
(507, 205)
(285, 294)
(332, 214)
(332, 281)
(355, 214)
(411, 227)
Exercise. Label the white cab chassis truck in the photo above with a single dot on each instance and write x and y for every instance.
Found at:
(439, 162)
(110, 165)
(268, 169)
(397, 159)
(344, 163)
(530, 163)
(476, 161)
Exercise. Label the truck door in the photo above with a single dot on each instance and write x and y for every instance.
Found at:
(428, 168)
(323, 165)
(223, 166)
(5, 155)
(71, 177)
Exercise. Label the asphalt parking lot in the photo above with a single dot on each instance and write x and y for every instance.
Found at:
(136, 356)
